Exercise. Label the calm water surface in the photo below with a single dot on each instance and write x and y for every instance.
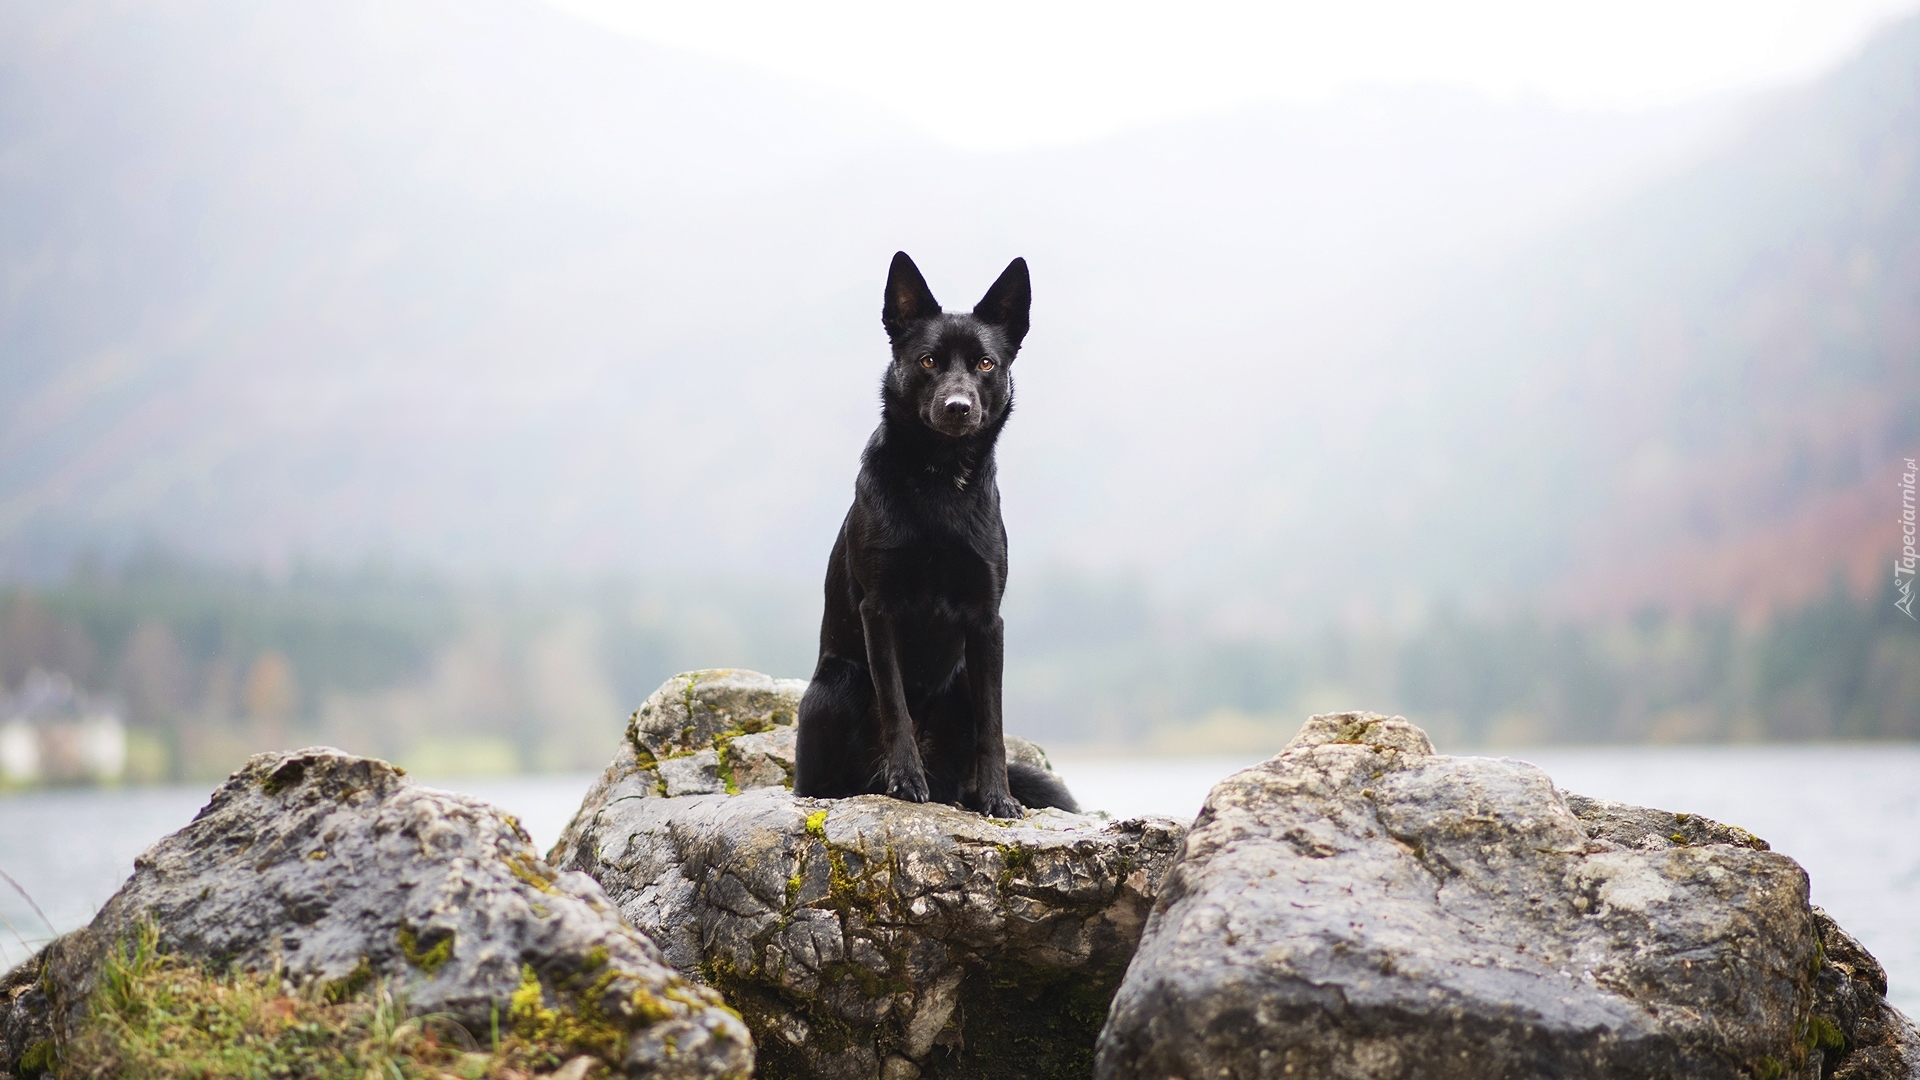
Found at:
(1849, 814)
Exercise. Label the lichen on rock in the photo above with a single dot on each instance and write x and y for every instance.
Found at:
(862, 937)
(335, 872)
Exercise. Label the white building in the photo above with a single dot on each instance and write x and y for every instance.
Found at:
(51, 731)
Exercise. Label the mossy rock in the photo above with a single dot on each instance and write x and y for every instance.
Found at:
(157, 1016)
(330, 875)
(718, 730)
(864, 937)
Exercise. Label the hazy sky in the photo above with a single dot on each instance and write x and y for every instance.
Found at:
(998, 74)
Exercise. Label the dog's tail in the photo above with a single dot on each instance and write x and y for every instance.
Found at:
(1035, 787)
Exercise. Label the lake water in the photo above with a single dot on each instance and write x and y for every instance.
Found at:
(1849, 814)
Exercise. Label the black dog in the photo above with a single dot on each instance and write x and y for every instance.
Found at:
(906, 697)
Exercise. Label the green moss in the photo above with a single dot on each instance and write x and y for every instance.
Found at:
(1679, 838)
(686, 701)
(868, 892)
(40, 1057)
(724, 748)
(429, 959)
(1825, 1034)
(641, 753)
(1354, 731)
(648, 762)
(1768, 1069)
(529, 999)
(353, 985)
(817, 824)
(582, 1026)
(157, 1016)
(843, 891)
(287, 775)
(531, 873)
(1015, 860)
(649, 1008)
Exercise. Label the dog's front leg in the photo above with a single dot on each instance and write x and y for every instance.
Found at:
(986, 654)
(906, 776)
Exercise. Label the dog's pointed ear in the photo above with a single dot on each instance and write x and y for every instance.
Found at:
(1007, 303)
(908, 298)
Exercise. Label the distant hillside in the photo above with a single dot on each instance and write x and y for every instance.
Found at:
(1700, 397)
(478, 286)
(206, 666)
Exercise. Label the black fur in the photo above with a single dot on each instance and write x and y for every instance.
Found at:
(905, 699)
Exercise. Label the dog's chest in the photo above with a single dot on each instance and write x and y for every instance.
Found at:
(957, 476)
(943, 575)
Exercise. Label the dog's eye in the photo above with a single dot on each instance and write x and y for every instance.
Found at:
(927, 362)
(986, 363)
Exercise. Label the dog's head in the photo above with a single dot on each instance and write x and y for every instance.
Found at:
(954, 371)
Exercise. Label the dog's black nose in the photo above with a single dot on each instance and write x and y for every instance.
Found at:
(959, 406)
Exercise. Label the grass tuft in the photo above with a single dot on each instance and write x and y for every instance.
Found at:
(163, 1017)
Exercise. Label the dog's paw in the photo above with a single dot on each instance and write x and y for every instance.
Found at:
(909, 787)
(1001, 806)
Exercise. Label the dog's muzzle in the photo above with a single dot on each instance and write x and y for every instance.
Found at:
(954, 414)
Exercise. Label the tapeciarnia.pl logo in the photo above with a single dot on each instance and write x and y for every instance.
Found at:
(1905, 563)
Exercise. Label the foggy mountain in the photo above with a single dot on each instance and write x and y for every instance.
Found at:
(1698, 397)
(478, 286)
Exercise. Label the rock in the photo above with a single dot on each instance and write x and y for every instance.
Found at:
(335, 868)
(1852, 1032)
(1858, 1034)
(862, 937)
(703, 733)
(1359, 906)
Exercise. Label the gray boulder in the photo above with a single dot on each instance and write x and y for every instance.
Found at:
(1359, 906)
(339, 869)
(862, 937)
